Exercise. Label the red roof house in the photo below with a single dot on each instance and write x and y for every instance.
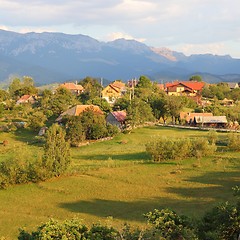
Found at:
(72, 87)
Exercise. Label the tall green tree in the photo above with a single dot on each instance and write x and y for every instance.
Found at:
(197, 78)
(92, 89)
(22, 86)
(56, 158)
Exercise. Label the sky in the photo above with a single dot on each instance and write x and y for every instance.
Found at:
(188, 26)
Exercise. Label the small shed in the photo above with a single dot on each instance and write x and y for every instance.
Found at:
(117, 118)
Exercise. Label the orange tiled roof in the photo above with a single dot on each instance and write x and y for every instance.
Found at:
(118, 84)
(78, 109)
(24, 98)
(189, 84)
(72, 86)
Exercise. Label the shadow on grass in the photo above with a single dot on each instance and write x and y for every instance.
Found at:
(125, 210)
(189, 201)
(139, 156)
(25, 135)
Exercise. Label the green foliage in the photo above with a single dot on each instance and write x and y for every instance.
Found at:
(58, 102)
(233, 142)
(172, 149)
(222, 222)
(102, 103)
(36, 120)
(75, 130)
(170, 225)
(160, 107)
(56, 158)
(4, 95)
(197, 78)
(212, 137)
(67, 230)
(20, 87)
(220, 91)
(138, 113)
(92, 89)
(121, 104)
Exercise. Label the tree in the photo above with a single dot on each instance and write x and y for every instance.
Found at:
(91, 121)
(22, 86)
(159, 106)
(102, 103)
(75, 130)
(60, 101)
(4, 95)
(139, 112)
(144, 89)
(37, 120)
(175, 106)
(56, 158)
(92, 89)
(197, 78)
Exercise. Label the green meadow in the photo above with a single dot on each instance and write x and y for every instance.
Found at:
(116, 181)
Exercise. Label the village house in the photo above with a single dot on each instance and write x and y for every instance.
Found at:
(73, 88)
(117, 118)
(190, 89)
(188, 117)
(233, 85)
(78, 109)
(26, 99)
(114, 91)
(227, 102)
(211, 121)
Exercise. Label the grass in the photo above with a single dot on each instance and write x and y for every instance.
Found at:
(116, 178)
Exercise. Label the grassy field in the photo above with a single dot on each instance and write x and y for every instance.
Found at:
(116, 178)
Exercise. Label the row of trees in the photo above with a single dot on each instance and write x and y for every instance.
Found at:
(221, 91)
(222, 222)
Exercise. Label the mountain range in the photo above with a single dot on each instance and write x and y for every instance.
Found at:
(57, 57)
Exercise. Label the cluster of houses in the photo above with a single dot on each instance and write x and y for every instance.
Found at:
(118, 89)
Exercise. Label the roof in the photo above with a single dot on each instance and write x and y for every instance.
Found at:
(188, 116)
(78, 109)
(118, 84)
(211, 119)
(189, 84)
(233, 85)
(72, 86)
(120, 116)
(24, 98)
(160, 86)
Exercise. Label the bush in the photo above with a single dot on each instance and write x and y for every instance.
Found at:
(233, 142)
(164, 149)
(170, 225)
(69, 229)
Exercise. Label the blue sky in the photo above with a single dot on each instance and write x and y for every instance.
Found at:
(188, 26)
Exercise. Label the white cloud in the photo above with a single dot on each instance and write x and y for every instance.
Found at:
(118, 35)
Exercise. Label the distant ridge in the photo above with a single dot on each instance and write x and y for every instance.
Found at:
(57, 57)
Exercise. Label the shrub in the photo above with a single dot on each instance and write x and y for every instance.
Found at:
(170, 225)
(172, 149)
(233, 142)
